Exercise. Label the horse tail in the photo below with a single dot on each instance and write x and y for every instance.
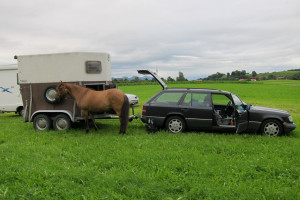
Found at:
(124, 115)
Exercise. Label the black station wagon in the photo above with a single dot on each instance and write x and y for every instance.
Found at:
(180, 109)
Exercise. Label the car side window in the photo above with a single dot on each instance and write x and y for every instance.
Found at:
(220, 99)
(197, 100)
(170, 98)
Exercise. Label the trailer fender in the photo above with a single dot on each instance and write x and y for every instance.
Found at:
(53, 113)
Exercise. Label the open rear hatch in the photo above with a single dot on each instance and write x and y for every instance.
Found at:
(159, 80)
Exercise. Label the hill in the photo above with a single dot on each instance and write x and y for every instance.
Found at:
(284, 74)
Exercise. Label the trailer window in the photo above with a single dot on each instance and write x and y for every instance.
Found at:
(93, 67)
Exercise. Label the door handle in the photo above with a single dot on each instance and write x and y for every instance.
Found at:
(184, 109)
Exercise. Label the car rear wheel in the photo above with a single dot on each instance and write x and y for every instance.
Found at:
(271, 128)
(21, 111)
(175, 124)
(41, 122)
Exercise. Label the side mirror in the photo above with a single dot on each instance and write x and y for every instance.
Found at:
(247, 106)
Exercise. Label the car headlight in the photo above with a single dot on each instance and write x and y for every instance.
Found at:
(291, 119)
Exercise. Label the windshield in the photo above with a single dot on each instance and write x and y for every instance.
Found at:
(237, 100)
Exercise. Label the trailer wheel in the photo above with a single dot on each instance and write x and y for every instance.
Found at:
(41, 122)
(61, 122)
(50, 95)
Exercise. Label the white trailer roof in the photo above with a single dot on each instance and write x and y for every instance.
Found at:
(68, 67)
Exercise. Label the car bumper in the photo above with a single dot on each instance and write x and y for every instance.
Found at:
(288, 127)
(157, 121)
(133, 102)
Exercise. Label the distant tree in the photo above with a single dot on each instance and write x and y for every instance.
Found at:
(254, 74)
(295, 76)
(228, 76)
(233, 74)
(181, 77)
(239, 75)
(169, 79)
(217, 76)
(136, 79)
(271, 77)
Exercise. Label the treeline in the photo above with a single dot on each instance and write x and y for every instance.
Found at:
(233, 76)
(294, 70)
(242, 75)
(136, 80)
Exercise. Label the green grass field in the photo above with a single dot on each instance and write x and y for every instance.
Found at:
(194, 165)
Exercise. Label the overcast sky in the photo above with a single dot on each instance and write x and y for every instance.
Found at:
(196, 37)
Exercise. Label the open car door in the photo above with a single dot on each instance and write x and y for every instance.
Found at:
(241, 114)
(242, 121)
(159, 80)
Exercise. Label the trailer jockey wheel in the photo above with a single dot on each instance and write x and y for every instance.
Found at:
(49, 95)
(61, 122)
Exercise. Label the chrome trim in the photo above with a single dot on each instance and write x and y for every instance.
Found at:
(199, 119)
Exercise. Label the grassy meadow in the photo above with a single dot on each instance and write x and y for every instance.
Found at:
(194, 165)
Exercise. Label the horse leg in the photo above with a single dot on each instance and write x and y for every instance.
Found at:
(121, 122)
(121, 127)
(93, 119)
(124, 115)
(86, 118)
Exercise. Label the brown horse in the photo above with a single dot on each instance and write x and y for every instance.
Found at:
(91, 101)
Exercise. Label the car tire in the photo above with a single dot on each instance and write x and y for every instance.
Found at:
(175, 124)
(61, 122)
(49, 95)
(41, 122)
(21, 111)
(271, 127)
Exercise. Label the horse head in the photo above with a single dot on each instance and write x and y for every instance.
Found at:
(61, 90)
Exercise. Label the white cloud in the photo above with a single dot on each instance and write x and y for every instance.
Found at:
(195, 37)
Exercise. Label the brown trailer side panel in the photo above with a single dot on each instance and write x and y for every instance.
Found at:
(33, 96)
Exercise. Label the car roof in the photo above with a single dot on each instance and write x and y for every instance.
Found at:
(214, 91)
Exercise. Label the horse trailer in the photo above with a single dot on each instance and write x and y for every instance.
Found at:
(39, 76)
(10, 97)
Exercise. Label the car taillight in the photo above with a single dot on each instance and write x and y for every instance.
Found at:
(144, 110)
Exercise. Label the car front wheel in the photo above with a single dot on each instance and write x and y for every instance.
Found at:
(271, 128)
(175, 124)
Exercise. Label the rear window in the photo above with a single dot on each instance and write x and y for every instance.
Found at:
(171, 98)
